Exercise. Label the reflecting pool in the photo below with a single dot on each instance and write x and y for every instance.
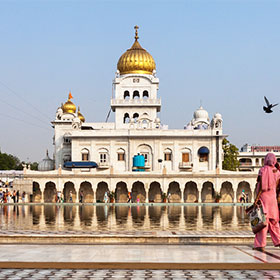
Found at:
(117, 218)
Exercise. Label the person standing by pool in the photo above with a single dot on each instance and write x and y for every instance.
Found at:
(267, 182)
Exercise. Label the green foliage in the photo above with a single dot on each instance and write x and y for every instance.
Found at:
(9, 162)
(230, 156)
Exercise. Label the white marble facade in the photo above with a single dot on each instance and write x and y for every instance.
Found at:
(192, 155)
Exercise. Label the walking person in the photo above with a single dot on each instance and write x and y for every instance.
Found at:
(267, 182)
(23, 197)
(17, 194)
(70, 196)
(14, 196)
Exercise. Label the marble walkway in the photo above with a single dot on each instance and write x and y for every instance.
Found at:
(137, 257)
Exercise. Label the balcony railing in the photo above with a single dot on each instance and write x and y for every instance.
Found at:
(185, 165)
(103, 165)
(152, 102)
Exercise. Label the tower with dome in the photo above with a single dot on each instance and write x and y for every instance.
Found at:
(99, 157)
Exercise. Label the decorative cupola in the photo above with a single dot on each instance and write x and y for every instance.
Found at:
(80, 115)
(136, 60)
(69, 106)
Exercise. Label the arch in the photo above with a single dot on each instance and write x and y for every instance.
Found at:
(86, 192)
(174, 215)
(121, 213)
(207, 193)
(50, 192)
(155, 213)
(247, 189)
(103, 155)
(147, 152)
(245, 162)
(203, 153)
(186, 155)
(155, 192)
(50, 214)
(37, 193)
(138, 214)
(85, 154)
(136, 94)
(135, 117)
(227, 194)
(86, 214)
(69, 214)
(121, 192)
(121, 154)
(126, 118)
(102, 187)
(174, 193)
(191, 192)
(145, 94)
(126, 94)
(167, 154)
(138, 192)
(69, 192)
(191, 215)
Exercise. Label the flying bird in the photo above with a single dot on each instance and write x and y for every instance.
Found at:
(269, 106)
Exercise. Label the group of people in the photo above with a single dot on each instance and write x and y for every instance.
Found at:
(11, 196)
(268, 194)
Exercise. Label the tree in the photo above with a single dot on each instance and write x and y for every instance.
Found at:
(230, 156)
(9, 162)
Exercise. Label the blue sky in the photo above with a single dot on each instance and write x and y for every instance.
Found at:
(223, 53)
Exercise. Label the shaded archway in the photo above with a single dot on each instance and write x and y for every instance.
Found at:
(121, 213)
(207, 193)
(190, 215)
(50, 214)
(174, 193)
(191, 192)
(69, 214)
(69, 187)
(86, 214)
(86, 192)
(37, 194)
(138, 192)
(246, 187)
(121, 192)
(155, 192)
(50, 192)
(226, 192)
(102, 187)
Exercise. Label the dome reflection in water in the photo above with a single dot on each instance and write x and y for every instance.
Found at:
(116, 218)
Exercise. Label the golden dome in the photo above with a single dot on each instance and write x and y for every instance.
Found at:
(80, 116)
(69, 106)
(136, 60)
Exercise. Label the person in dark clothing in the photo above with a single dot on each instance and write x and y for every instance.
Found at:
(17, 195)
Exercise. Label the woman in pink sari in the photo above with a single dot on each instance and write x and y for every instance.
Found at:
(267, 183)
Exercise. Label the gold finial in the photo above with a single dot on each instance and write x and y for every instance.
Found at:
(136, 32)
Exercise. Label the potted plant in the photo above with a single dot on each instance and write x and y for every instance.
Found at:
(217, 197)
(164, 197)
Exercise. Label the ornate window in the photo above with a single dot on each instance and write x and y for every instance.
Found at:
(126, 118)
(121, 155)
(135, 117)
(85, 154)
(145, 94)
(136, 94)
(126, 95)
(167, 155)
(203, 154)
(186, 155)
(103, 156)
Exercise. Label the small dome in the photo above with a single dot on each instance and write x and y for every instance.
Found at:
(46, 164)
(136, 60)
(69, 106)
(157, 120)
(218, 116)
(201, 114)
(80, 115)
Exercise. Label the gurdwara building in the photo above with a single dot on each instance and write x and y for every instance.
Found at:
(93, 158)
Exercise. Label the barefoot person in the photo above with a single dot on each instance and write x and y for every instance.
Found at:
(267, 183)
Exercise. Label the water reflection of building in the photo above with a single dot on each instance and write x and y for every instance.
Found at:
(186, 163)
(122, 218)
